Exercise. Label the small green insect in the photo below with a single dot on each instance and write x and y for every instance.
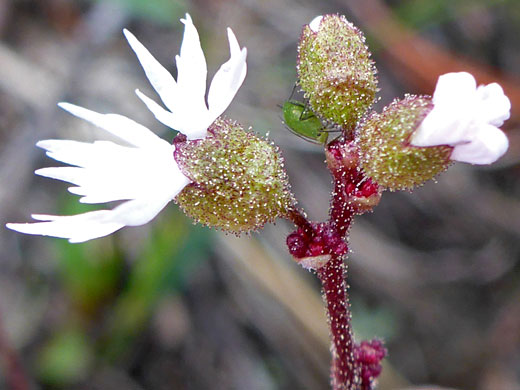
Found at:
(303, 122)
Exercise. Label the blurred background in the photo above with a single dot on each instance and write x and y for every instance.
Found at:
(171, 305)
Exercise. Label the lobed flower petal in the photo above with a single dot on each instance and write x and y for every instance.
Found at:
(228, 79)
(185, 98)
(117, 172)
(466, 118)
(162, 81)
(489, 143)
(457, 87)
(146, 175)
(94, 224)
(118, 125)
(494, 106)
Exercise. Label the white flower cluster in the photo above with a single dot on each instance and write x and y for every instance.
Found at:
(143, 173)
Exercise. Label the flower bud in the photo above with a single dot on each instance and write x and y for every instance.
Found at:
(335, 70)
(386, 154)
(238, 180)
(313, 249)
(368, 355)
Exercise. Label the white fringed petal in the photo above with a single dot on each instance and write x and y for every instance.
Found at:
(162, 81)
(94, 224)
(185, 98)
(466, 118)
(228, 79)
(145, 175)
(105, 171)
(118, 125)
(191, 71)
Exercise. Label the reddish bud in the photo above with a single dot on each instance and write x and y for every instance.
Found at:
(369, 355)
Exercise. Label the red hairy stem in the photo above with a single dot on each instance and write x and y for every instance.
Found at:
(344, 368)
(353, 194)
(322, 247)
(341, 213)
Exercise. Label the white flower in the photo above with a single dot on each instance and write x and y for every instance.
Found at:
(185, 98)
(143, 173)
(466, 118)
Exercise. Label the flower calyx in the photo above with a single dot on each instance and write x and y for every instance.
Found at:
(238, 179)
(386, 154)
(414, 139)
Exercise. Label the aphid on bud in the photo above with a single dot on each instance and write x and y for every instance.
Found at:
(303, 122)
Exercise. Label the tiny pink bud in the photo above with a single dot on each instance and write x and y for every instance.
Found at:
(296, 244)
(369, 355)
(313, 250)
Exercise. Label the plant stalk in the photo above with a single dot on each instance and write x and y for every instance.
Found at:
(344, 370)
